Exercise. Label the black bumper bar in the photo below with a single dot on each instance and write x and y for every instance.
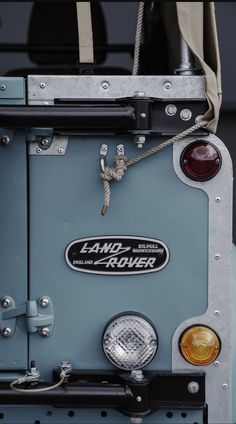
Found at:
(118, 391)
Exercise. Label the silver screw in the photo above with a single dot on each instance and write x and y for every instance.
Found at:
(6, 302)
(193, 387)
(44, 302)
(38, 150)
(143, 115)
(171, 110)
(139, 399)
(42, 85)
(137, 375)
(105, 85)
(7, 332)
(44, 332)
(60, 151)
(217, 312)
(167, 85)
(185, 114)
(3, 87)
(218, 199)
(5, 140)
(217, 363)
(225, 386)
(217, 256)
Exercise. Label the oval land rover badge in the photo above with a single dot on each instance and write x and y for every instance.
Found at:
(117, 255)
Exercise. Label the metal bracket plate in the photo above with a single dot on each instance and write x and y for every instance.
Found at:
(57, 147)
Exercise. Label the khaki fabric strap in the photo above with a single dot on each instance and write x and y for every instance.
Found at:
(84, 19)
(198, 27)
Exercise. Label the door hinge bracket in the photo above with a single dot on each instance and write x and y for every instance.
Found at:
(39, 316)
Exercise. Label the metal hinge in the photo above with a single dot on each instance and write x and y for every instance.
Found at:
(39, 316)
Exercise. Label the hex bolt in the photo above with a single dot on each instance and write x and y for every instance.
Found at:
(38, 150)
(60, 151)
(7, 332)
(198, 119)
(137, 375)
(225, 386)
(44, 332)
(140, 141)
(6, 302)
(218, 199)
(217, 312)
(217, 256)
(139, 399)
(167, 85)
(5, 140)
(105, 85)
(185, 114)
(44, 142)
(171, 110)
(3, 87)
(193, 387)
(44, 302)
(42, 85)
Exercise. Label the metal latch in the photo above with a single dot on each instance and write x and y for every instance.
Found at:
(39, 316)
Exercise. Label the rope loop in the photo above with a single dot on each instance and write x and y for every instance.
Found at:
(122, 163)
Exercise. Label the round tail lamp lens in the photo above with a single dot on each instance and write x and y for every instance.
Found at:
(201, 161)
(199, 345)
(130, 341)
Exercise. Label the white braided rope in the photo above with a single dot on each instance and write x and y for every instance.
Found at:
(122, 163)
(138, 38)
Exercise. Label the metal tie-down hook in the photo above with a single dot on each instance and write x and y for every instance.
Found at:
(103, 155)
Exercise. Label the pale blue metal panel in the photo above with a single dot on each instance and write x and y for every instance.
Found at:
(13, 245)
(65, 199)
(12, 90)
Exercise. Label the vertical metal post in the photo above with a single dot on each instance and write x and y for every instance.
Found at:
(186, 66)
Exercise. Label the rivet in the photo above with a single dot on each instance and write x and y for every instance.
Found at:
(170, 110)
(105, 85)
(217, 256)
(217, 363)
(217, 312)
(225, 386)
(42, 85)
(139, 399)
(7, 332)
(38, 150)
(3, 87)
(218, 199)
(6, 302)
(185, 114)
(143, 115)
(44, 302)
(60, 151)
(5, 140)
(167, 85)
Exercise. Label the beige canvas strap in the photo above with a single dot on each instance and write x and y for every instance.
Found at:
(85, 31)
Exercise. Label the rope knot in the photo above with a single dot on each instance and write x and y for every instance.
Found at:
(111, 174)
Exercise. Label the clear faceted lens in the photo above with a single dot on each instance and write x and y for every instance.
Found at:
(130, 342)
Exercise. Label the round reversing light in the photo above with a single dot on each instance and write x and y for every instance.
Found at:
(130, 341)
(201, 161)
(199, 345)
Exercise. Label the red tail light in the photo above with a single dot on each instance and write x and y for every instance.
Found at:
(201, 161)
